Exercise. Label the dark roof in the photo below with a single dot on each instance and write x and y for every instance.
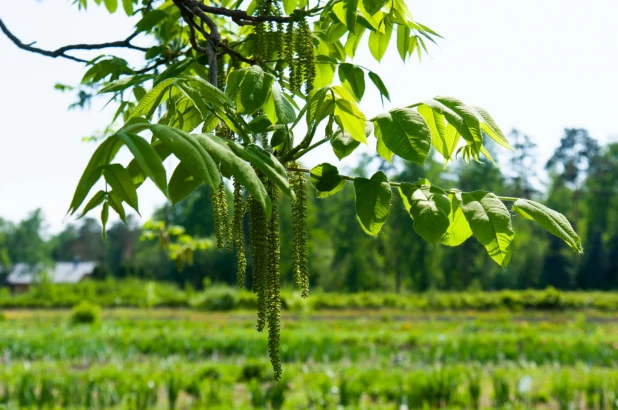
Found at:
(61, 272)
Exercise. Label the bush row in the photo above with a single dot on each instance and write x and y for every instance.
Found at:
(136, 293)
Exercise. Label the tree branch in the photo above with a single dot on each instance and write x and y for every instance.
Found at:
(241, 17)
(61, 52)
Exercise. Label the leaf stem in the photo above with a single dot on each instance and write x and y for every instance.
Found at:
(317, 144)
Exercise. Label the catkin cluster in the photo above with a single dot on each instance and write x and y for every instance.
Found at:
(274, 283)
(266, 272)
(299, 55)
(290, 46)
(300, 254)
(238, 233)
(268, 36)
(223, 228)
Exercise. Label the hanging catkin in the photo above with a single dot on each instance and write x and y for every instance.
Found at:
(290, 47)
(258, 244)
(306, 54)
(274, 283)
(238, 233)
(226, 227)
(300, 257)
(216, 213)
(221, 77)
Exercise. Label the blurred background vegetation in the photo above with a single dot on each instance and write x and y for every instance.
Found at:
(580, 180)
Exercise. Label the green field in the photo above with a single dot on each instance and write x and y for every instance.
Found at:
(164, 359)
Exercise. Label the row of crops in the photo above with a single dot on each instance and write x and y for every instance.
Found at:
(138, 293)
(170, 386)
(180, 359)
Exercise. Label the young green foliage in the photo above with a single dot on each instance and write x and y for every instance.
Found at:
(251, 76)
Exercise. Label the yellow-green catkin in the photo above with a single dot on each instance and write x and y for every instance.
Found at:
(221, 75)
(258, 244)
(306, 53)
(300, 254)
(224, 217)
(260, 40)
(290, 46)
(216, 213)
(274, 283)
(238, 233)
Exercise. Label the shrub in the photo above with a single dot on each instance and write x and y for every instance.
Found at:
(219, 298)
(85, 312)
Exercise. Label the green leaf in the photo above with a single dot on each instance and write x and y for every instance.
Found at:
(147, 158)
(116, 204)
(490, 222)
(195, 98)
(351, 7)
(127, 5)
(148, 105)
(373, 6)
(381, 148)
(104, 218)
(104, 154)
(343, 144)
(444, 137)
(471, 120)
(373, 201)
(353, 41)
(209, 92)
(182, 183)
(150, 20)
(403, 41)
(321, 104)
(459, 229)
(254, 89)
(234, 79)
(378, 42)
(405, 133)
(554, 222)
(377, 81)
(95, 201)
(326, 180)
(266, 163)
(430, 208)
(219, 149)
(118, 178)
(283, 108)
(260, 125)
(353, 79)
(186, 148)
(111, 5)
(348, 116)
(139, 92)
(289, 6)
(490, 128)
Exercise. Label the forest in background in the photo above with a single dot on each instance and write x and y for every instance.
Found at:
(581, 181)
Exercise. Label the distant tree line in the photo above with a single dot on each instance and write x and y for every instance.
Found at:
(582, 184)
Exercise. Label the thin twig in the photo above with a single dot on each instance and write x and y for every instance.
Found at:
(61, 52)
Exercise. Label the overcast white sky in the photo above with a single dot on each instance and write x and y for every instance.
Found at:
(539, 66)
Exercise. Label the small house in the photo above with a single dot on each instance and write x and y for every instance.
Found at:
(22, 275)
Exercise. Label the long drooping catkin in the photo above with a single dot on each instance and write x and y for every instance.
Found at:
(258, 243)
(216, 214)
(224, 217)
(300, 261)
(274, 283)
(306, 54)
(238, 233)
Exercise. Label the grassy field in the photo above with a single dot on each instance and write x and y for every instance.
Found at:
(177, 359)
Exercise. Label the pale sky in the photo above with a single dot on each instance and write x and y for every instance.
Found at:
(539, 66)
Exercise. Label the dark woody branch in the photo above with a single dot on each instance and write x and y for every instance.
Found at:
(61, 52)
